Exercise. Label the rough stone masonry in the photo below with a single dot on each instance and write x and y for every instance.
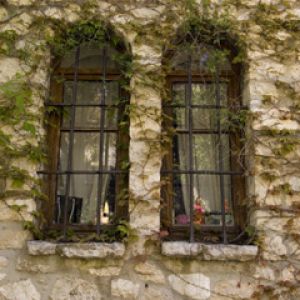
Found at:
(148, 268)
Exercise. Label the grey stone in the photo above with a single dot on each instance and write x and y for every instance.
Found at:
(230, 252)
(21, 290)
(181, 249)
(13, 238)
(3, 261)
(235, 289)
(157, 293)
(125, 289)
(41, 248)
(33, 266)
(106, 271)
(2, 276)
(195, 286)
(149, 272)
(210, 252)
(91, 250)
(74, 289)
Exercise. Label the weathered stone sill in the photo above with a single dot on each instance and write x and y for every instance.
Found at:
(76, 250)
(210, 252)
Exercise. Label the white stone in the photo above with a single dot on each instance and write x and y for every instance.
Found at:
(13, 238)
(21, 290)
(195, 286)
(3, 262)
(274, 247)
(2, 276)
(210, 252)
(235, 289)
(9, 68)
(181, 249)
(74, 289)
(145, 13)
(157, 293)
(264, 272)
(230, 252)
(147, 54)
(27, 207)
(105, 271)
(21, 2)
(91, 250)
(41, 248)
(287, 274)
(125, 289)
(32, 266)
(7, 213)
(150, 272)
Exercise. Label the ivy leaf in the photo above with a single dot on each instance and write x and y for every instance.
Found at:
(17, 182)
(29, 127)
(20, 103)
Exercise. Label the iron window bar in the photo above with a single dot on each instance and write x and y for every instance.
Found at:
(49, 103)
(101, 142)
(71, 143)
(82, 172)
(220, 162)
(201, 172)
(190, 162)
(71, 129)
(190, 131)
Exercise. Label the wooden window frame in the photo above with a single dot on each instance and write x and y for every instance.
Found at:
(53, 128)
(207, 233)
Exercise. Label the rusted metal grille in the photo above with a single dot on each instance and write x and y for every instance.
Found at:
(190, 131)
(101, 129)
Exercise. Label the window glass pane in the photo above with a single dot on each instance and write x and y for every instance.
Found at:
(89, 117)
(206, 198)
(83, 196)
(91, 57)
(205, 93)
(90, 92)
(181, 152)
(109, 151)
(86, 151)
(180, 118)
(207, 119)
(203, 59)
(178, 94)
(206, 152)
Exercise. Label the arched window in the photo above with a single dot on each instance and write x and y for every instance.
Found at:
(203, 187)
(88, 135)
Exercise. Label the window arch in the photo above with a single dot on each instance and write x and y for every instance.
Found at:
(88, 132)
(203, 187)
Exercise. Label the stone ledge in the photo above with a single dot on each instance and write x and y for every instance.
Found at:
(76, 250)
(210, 252)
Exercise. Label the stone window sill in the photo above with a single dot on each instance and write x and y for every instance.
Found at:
(76, 250)
(218, 252)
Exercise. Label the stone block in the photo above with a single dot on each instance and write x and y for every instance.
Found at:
(230, 252)
(20, 290)
(41, 248)
(124, 289)
(72, 288)
(235, 289)
(91, 250)
(150, 272)
(3, 262)
(12, 238)
(195, 286)
(210, 252)
(105, 271)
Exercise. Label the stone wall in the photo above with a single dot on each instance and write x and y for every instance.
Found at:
(145, 268)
